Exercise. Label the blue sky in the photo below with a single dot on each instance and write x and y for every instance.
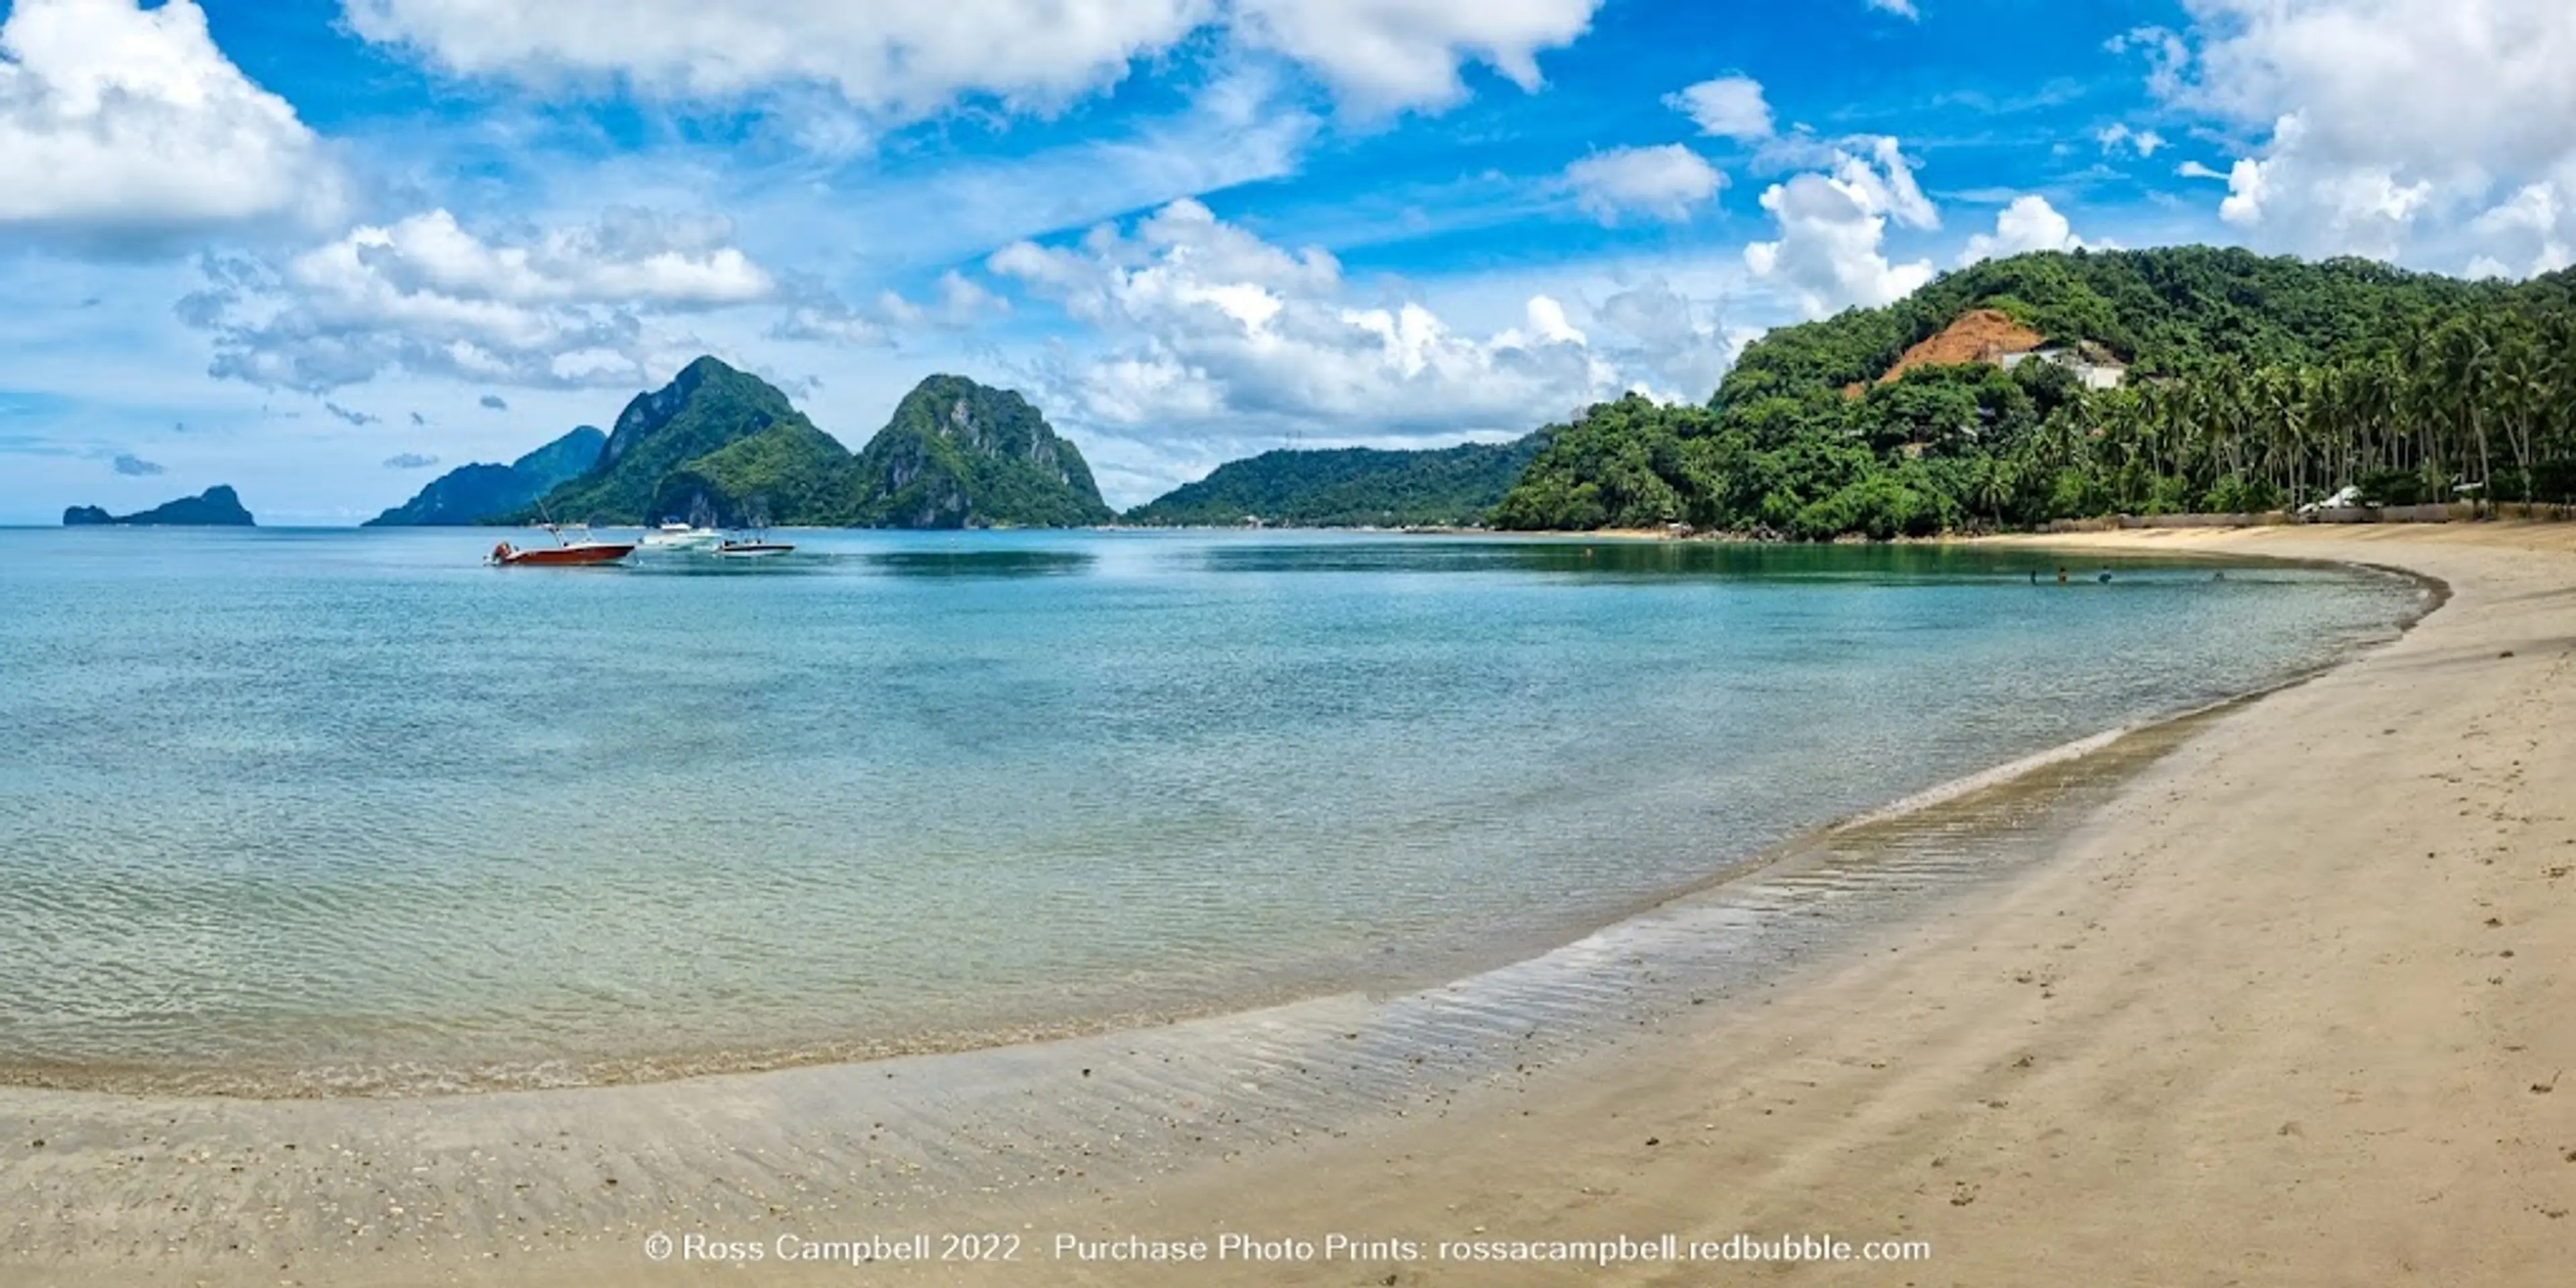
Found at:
(322, 249)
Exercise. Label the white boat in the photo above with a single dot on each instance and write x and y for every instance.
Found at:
(681, 536)
(751, 548)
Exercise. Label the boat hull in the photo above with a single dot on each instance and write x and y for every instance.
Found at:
(597, 552)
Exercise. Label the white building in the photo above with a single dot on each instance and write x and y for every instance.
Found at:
(2105, 373)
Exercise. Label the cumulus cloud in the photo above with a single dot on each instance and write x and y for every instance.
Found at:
(1833, 226)
(133, 466)
(1659, 182)
(1673, 347)
(1901, 8)
(120, 124)
(2527, 234)
(561, 306)
(2196, 170)
(1730, 107)
(410, 461)
(1382, 55)
(2385, 125)
(909, 60)
(1212, 336)
(2028, 224)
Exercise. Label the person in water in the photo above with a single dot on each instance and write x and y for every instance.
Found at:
(2061, 574)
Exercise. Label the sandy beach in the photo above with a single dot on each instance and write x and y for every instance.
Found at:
(2292, 1010)
(2290, 1007)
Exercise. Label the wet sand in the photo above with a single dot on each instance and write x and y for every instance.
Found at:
(2287, 1005)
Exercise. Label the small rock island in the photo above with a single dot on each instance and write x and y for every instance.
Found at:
(217, 506)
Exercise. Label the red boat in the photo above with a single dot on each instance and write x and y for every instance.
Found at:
(562, 554)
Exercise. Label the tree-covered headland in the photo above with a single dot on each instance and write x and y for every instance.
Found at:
(2251, 384)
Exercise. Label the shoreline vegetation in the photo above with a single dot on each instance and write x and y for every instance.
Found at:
(2231, 1023)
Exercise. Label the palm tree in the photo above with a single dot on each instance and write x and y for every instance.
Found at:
(2465, 376)
(1998, 480)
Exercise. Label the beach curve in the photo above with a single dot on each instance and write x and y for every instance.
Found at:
(1824, 1116)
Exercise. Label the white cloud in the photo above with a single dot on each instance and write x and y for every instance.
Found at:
(910, 60)
(1385, 54)
(1660, 182)
(1901, 8)
(955, 303)
(2196, 170)
(120, 124)
(1210, 337)
(1681, 346)
(2533, 227)
(2387, 125)
(2026, 225)
(904, 59)
(2323, 207)
(2117, 137)
(1833, 226)
(1730, 107)
(562, 306)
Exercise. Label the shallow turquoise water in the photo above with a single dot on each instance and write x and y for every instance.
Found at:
(311, 811)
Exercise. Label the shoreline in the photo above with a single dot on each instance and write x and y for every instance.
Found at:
(2290, 1010)
(1526, 1152)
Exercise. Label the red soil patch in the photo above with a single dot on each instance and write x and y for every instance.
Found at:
(1980, 335)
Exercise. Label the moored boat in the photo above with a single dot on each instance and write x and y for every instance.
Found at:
(562, 554)
(732, 549)
(675, 535)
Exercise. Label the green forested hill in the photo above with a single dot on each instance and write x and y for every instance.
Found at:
(2254, 383)
(723, 447)
(2165, 311)
(788, 472)
(471, 494)
(1348, 487)
(957, 454)
(708, 406)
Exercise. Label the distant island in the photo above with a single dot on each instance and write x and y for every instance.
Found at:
(478, 493)
(215, 507)
(721, 447)
(1349, 487)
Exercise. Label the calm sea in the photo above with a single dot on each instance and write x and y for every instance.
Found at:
(299, 812)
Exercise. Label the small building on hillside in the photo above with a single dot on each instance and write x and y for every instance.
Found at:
(2093, 368)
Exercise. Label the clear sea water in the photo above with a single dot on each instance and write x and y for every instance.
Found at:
(305, 812)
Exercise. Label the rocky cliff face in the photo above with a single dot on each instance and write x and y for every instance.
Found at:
(957, 454)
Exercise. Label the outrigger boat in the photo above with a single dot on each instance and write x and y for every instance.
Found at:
(563, 553)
